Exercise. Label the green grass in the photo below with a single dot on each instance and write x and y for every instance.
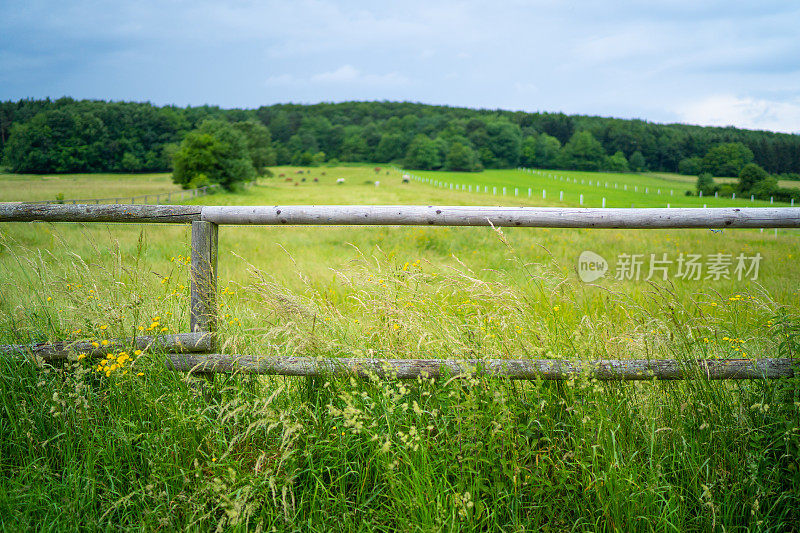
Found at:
(35, 187)
(642, 190)
(79, 449)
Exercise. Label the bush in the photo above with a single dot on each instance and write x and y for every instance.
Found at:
(751, 175)
(727, 190)
(765, 188)
(215, 150)
(705, 184)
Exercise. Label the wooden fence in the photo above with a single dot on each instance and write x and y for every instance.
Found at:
(195, 351)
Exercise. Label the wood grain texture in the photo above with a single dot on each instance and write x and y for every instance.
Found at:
(182, 342)
(526, 369)
(205, 236)
(551, 217)
(175, 214)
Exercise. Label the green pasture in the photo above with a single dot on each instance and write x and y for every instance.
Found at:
(141, 447)
(619, 190)
(36, 187)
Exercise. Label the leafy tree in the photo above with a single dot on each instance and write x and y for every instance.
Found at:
(259, 144)
(637, 162)
(390, 148)
(461, 157)
(505, 142)
(422, 154)
(354, 148)
(691, 166)
(558, 125)
(216, 150)
(727, 159)
(705, 184)
(318, 159)
(750, 175)
(130, 162)
(548, 150)
(303, 159)
(527, 156)
(765, 188)
(616, 163)
(583, 152)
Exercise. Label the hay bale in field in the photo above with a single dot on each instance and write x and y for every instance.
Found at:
(339, 181)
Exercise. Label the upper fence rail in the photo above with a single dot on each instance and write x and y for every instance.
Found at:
(544, 217)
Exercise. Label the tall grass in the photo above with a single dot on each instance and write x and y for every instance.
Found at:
(142, 447)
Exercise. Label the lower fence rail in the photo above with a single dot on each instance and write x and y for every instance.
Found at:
(54, 351)
(524, 369)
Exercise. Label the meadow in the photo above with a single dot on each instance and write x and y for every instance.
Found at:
(40, 187)
(141, 447)
(619, 190)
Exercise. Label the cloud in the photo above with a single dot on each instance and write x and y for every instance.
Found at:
(344, 75)
(743, 112)
(281, 79)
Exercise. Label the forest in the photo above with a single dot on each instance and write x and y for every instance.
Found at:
(67, 135)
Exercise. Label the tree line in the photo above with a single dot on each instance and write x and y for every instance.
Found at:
(67, 135)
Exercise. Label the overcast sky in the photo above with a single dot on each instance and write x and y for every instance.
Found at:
(711, 63)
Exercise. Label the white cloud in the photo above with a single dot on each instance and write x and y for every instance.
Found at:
(344, 75)
(281, 79)
(751, 113)
(525, 87)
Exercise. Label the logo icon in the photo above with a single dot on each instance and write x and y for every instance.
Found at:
(591, 266)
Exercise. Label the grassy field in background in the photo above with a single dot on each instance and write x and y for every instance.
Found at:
(138, 447)
(789, 184)
(35, 187)
(642, 190)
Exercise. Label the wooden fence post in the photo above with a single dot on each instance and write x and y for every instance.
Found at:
(204, 277)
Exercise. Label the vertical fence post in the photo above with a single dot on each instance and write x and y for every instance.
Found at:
(204, 277)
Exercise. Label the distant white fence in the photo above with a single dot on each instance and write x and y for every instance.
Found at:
(589, 185)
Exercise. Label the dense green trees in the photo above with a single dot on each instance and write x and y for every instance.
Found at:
(461, 157)
(727, 159)
(258, 142)
(582, 152)
(705, 184)
(423, 154)
(66, 135)
(216, 152)
(691, 166)
(750, 175)
(616, 163)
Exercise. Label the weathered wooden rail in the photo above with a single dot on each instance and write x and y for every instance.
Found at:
(193, 352)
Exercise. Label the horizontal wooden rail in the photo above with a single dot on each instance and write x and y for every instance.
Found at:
(176, 214)
(530, 369)
(551, 217)
(186, 342)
